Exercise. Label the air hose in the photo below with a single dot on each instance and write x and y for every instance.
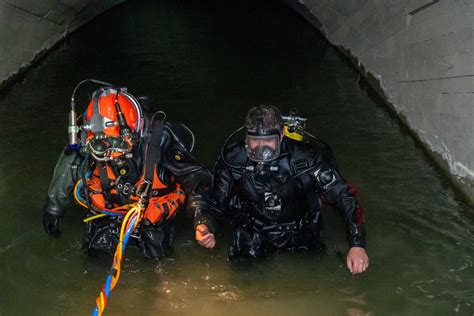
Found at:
(131, 219)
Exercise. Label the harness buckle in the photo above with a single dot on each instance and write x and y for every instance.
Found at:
(126, 188)
(143, 189)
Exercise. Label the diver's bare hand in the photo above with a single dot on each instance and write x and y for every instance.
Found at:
(204, 237)
(357, 260)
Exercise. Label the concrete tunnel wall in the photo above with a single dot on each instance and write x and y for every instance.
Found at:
(29, 28)
(419, 53)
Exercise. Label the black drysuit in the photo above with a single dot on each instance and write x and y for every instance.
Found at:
(176, 165)
(277, 206)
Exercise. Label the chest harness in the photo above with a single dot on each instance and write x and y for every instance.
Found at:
(301, 169)
(105, 192)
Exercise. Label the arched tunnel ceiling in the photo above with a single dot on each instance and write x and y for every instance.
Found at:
(419, 52)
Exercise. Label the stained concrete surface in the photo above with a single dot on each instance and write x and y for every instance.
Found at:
(29, 28)
(420, 54)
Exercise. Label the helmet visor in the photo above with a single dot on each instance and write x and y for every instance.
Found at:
(262, 148)
(107, 148)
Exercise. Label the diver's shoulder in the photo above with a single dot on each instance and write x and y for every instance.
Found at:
(180, 133)
(314, 151)
(306, 145)
(235, 152)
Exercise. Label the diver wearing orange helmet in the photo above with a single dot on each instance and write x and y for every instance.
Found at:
(117, 157)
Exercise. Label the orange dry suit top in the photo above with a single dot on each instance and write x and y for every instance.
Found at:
(162, 203)
(108, 193)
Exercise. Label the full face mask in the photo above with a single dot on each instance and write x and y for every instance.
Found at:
(263, 125)
(262, 148)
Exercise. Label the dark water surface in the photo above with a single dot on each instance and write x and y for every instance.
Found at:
(205, 64)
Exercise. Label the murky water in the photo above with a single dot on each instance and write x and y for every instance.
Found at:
(205, 64)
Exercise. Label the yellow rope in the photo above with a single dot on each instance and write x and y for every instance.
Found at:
(93, 217)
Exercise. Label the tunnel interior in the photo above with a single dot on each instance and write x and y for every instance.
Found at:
(205, 63)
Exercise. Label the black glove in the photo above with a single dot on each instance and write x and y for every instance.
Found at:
(50, 224)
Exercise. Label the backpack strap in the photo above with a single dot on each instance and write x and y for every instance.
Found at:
(153, 153)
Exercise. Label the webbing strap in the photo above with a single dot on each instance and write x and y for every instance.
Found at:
(153, 151)
(311, 196)
(152, 158)
(104, 182)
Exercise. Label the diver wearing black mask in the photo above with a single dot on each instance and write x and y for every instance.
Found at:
(272, 186)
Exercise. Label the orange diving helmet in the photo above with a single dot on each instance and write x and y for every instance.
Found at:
(113, 122)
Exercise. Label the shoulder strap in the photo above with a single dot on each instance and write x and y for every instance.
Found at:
(311, 194)
(302, 169)
(104, 182)
(153, 151)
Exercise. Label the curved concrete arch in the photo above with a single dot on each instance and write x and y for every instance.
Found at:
(29, 28)
(419, 53)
